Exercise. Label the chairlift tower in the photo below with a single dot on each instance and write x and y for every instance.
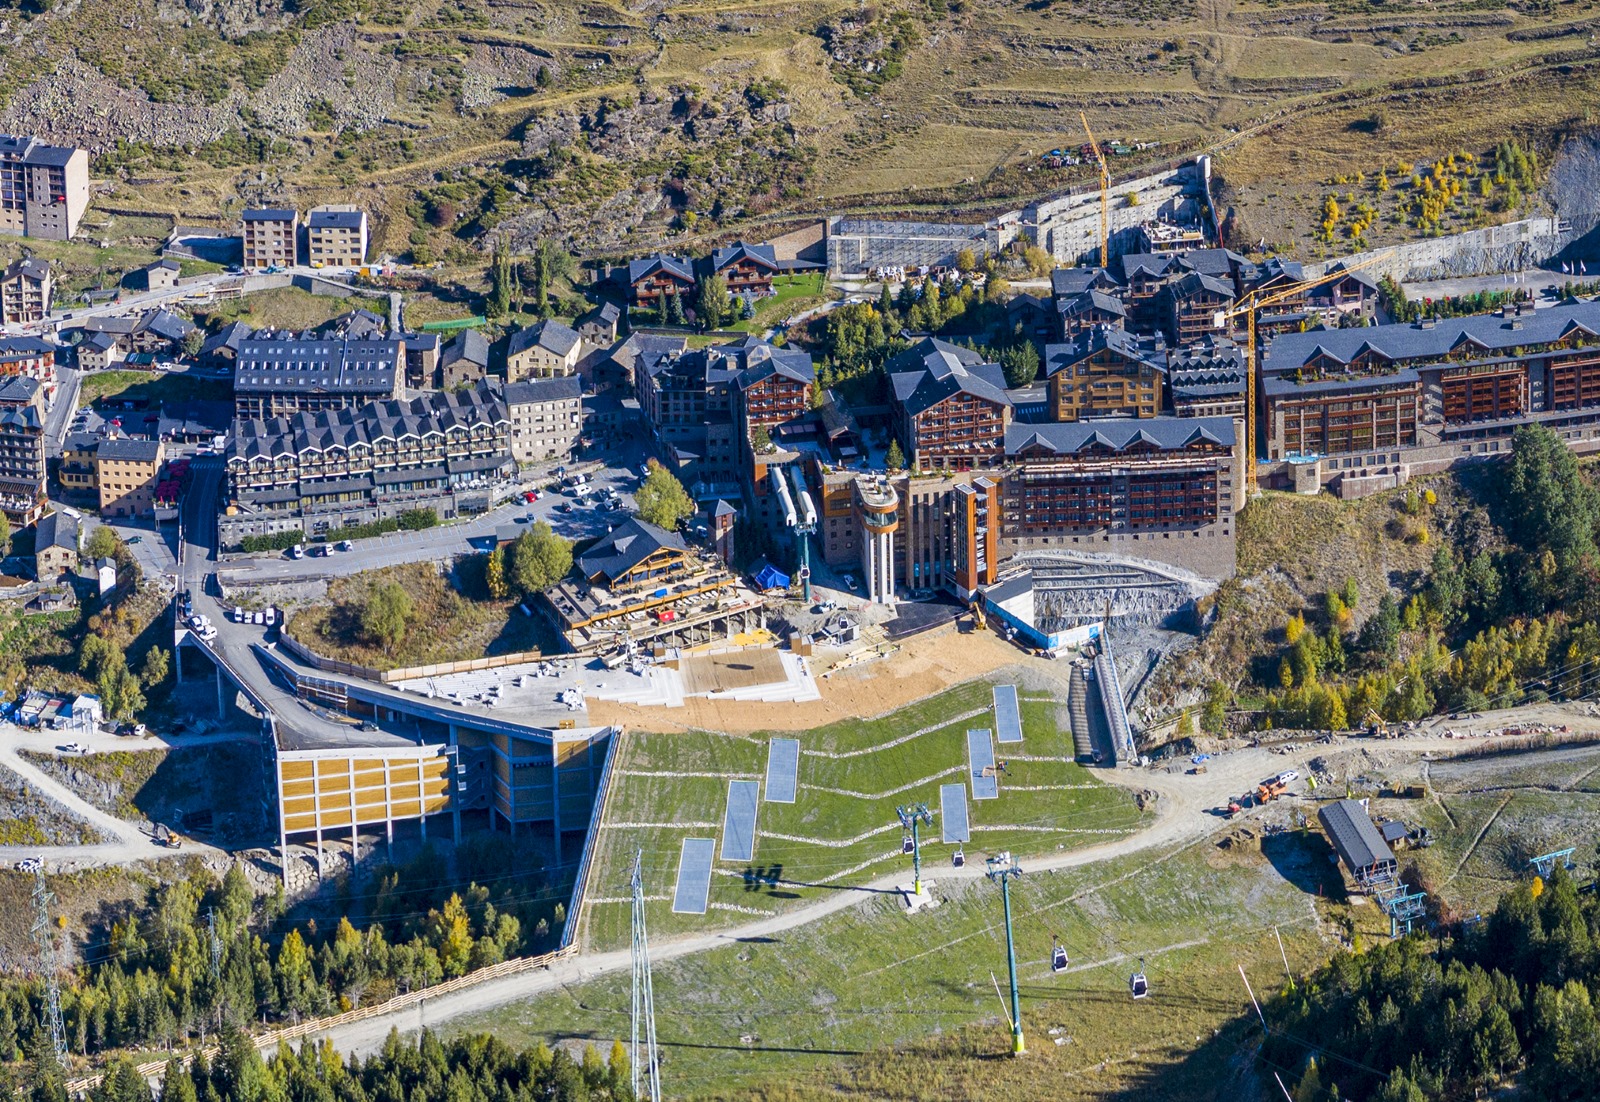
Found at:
(1001, 870)
(647, 1064)
(912, 816)
(44, 937)
(1545, 864)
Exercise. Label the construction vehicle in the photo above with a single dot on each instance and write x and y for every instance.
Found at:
(163, 836)
(1377, 726)
(1271, 790)
(978, 622)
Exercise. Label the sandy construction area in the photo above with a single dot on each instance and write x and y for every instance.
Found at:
(926, 664)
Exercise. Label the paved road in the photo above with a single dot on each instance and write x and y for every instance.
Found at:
(61, 410)
(621, 474)
(1546, 283)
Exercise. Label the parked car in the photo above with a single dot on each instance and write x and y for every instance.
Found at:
(346, 545)
(73, 748)
(270, 617)
(297, 552)
(258, 617)
(1288, 776)
(564, 507)
(524, 519)
(238, 615)
(135, 539)
(849, 582)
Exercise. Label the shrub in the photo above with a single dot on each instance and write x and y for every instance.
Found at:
(273, 541)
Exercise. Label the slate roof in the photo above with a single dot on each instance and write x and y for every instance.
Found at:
(563, 388)
(35, 152)
(1357, 840)
(21, 418)
(229, 336)
(23, 348)
(1494, 336)
(1339, 273)
(270, 362)
(122, 326)
(1147, 350)
(625, 547)
(644, 351)
(648, 266)
(1070, 282)
(271, 214)
(127, 449)
(762, 255)
(932, 370)
(98, 342)
(30, 267)
(18, 390)
(56, 530)
(166, 325)
(1214, 368)
(195, 418)
(1091, 301)
(1163, 433)
(1195, 283)
(434, 412)
(552, 336)
(336, 219)
(361, 325)
(607, 314)
(167, 263)
(765, 360)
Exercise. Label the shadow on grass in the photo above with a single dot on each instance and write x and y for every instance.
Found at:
(1305, 860)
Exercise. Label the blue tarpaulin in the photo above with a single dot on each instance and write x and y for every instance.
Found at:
(770, 577)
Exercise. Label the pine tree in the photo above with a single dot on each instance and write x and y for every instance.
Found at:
(895, 460)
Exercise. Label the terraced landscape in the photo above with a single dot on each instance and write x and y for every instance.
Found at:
(842, 830)
(617, 127)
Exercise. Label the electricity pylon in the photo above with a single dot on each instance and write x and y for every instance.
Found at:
(44, 937)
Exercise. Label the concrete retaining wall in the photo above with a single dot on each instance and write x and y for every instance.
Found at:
(1489, 251)
(1068, 227)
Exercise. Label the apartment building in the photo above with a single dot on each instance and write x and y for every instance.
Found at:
(747, 269)
(950, 408)
(336, 236)
(323, 469)
(1207, 379)
(546, 418)
(44, 189)
(1106, 372)
(30, 358)
(270, 238)
(279, 374)
(1191, 304)
(650, 280)
(22, 455)
(26, 289)
(126, 471)
(543, 351)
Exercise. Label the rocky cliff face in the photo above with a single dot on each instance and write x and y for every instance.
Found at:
(1573, 192)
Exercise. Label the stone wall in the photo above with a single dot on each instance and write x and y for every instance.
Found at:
(1068, 227)
(1489, 251)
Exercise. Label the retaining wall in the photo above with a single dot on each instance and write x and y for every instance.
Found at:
(1489, 251)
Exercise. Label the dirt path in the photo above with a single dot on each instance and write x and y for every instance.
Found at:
(924, 666)
(129, 844)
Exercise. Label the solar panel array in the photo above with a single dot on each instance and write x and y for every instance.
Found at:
(783, 769)
(1007, 714)
(953, 813)
(694, 876)
(980, 753)
(739, 826)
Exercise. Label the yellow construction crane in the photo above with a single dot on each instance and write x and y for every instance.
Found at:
(1105, 190)
(1249, 305)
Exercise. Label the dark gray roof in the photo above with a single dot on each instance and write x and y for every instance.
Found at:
(31, 267)
(562, 388)
(271, 214)
(626, 546)
(277, 362)
(122, 326)
(1274, 385)
(56, 530)
(128, 449)
(1492, 335)
(1195, 283)
(230, 336)
(1359, 843)
(1120, 434)
(469, 345)
(48, 156)
(361, 325)
(763, 255)
(1214, 368)
(1070, 282)
(723, 509)
(642, 351)
(98, 342)
(166, 325)
(607, 313)
(20, 418)
(18, 390)
(23, 348)
(1024, 301)
(335, 219)
(673, 265)
(1142, 349)
(1338, 273)
(766, 360)
(166, 263)
(1152, 264)
(437, 412)
(196, 417)
(1090, 301)
(932, 370)
(552, 336)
